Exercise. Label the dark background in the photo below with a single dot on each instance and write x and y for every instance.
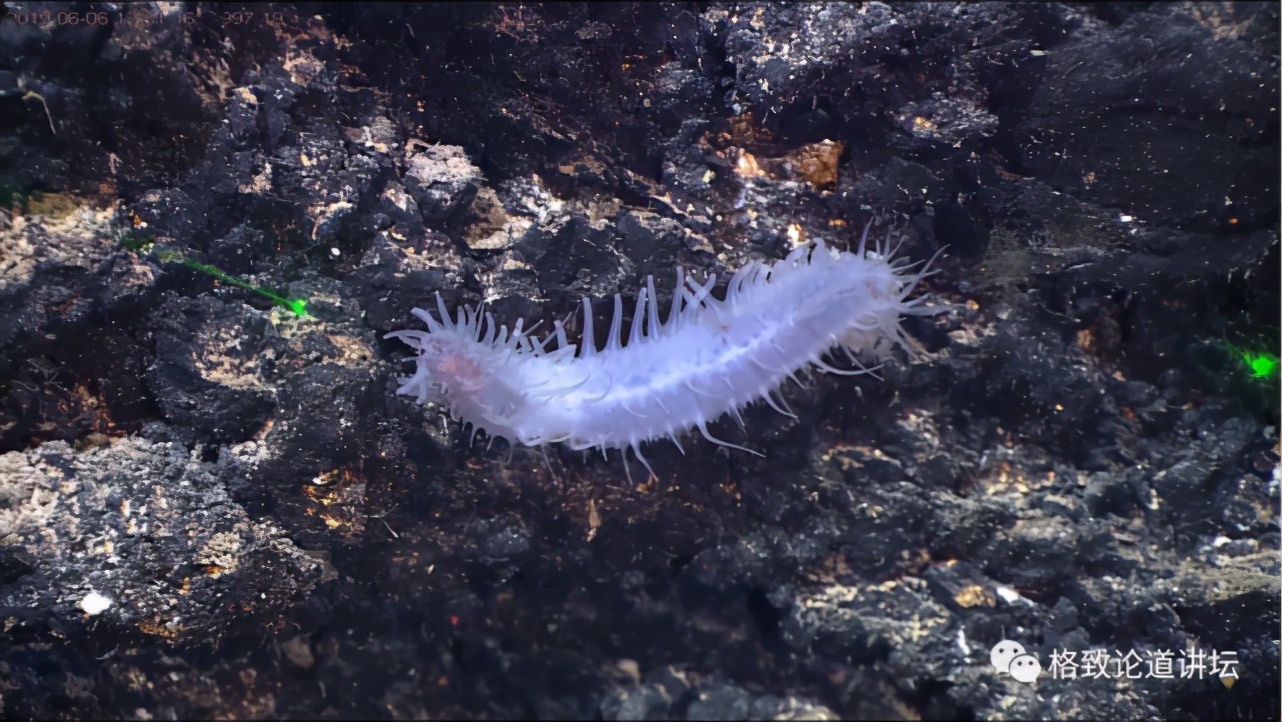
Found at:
(1082, 459)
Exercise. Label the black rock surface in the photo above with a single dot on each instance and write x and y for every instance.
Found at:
(213, 506)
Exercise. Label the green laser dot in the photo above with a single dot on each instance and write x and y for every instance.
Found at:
(1262, 365)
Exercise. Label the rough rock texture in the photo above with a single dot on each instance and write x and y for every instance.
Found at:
(212, 504)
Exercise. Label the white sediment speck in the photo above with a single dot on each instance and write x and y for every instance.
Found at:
(94, 604)
(1010, 596)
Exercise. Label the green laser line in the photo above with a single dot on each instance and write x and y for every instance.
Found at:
(164, 254)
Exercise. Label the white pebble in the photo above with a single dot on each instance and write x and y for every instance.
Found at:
(94, 604)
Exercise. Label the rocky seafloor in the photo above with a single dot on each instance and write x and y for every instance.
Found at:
(212, 504)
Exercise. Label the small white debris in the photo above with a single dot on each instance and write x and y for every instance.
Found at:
(1010, 596)
(335, 252)
(94, 604)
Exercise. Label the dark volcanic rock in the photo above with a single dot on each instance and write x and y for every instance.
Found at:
(212, 504)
